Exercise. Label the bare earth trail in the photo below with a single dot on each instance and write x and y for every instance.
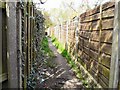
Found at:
(63, 77)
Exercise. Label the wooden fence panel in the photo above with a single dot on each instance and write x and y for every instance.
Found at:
(95, 40)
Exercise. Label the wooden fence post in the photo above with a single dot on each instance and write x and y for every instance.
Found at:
(115, 57)
(31, 36)
(28, 39)
(19, 18)
(25, 45)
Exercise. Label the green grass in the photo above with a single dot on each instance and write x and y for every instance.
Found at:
(45, 47)
(47, 51)
(64, 53)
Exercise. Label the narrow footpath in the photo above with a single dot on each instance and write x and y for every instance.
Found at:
(63, 77)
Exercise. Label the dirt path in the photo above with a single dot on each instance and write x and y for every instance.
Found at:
(63, 76)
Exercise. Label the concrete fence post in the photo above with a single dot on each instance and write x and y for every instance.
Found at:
(12, 45)
(76, 36)
(67, 28)
(115, 57)
(67, 35)
(61, 33)
(58, 32)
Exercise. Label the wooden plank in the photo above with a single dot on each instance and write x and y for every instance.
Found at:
(106, 48)
(95, 11)
(90, 25)
(104, 79)
(25, 46)
(85, 42)
(90, 76)
(94, 45)
(86, 50)
(84, 34)
(31, 37)
(93, 64)
(94, 35)
(28, 39)
(107, 23)
(93, 54)
(90, 12)
(93, 73)
(105, 71)
(102, 82)
(19, 29)
(90, 52)
(108, 5)
(109, 13)
(106, 36)
(105, 59)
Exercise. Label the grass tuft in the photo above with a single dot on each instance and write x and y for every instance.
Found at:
(64, 53)
(45, 47)
(48, 52)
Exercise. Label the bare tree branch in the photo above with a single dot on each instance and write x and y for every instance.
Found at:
(42, 2)
(70, 6)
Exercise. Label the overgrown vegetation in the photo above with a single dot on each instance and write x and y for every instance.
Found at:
(41, 67)
(75, 68)
(47, 51)
(45, 47)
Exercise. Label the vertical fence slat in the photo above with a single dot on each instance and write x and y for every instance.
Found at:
(20, 46)
(28, 39)
(25, 47)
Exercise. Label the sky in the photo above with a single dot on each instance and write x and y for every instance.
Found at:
(50, 4)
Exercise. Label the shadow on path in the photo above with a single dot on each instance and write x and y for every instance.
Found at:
(63, 76)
